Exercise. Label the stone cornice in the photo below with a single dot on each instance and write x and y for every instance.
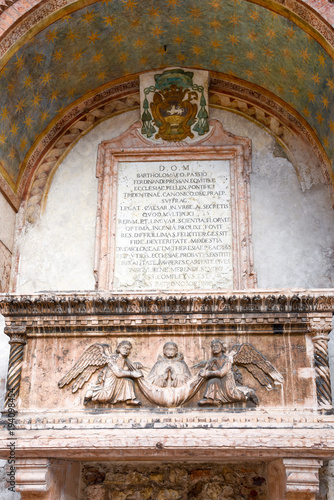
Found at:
(101, 314)
(111, 303)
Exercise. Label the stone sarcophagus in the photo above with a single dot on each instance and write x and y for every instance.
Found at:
(108, 376)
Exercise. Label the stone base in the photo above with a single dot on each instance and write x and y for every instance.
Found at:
(43, 479)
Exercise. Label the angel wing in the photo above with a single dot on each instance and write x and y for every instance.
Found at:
(95, 357)
(250, 358)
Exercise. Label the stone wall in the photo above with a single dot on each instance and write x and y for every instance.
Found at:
(57, 253)
(173, 481)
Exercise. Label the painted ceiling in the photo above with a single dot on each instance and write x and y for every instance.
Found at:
(108, 40)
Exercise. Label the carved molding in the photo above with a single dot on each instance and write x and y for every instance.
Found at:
(17, 342)
(99, 303)
(12, 198)
(122, 419)
(271, 122)
(302, 476)
(238, 442)
(270, 113)
(5, 4)
(45, 479)
(32, 475)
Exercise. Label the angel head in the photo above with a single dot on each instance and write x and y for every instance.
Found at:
(124, 348)
(170, 350)
(217, 346)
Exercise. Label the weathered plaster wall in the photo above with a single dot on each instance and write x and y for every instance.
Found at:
(292, 230)
(5, 494)
(292, 237)
(7, 227)
(57, 253)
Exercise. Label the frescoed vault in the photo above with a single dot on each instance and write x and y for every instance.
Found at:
(81, 50)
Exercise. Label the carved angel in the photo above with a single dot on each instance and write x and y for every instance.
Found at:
(170, 370)
(219, 371)
(114, 383)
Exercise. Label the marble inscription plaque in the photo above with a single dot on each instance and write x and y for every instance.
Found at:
(173, 227)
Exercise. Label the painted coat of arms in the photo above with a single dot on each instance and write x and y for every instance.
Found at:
(175, 107)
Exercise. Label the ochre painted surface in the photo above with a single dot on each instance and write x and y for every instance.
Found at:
(110, 40)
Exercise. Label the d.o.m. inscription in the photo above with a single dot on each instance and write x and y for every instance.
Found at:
(173, 226)
(174, 218)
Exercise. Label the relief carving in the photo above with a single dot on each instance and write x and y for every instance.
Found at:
(170, 382)
(114, 383)
(224, 380)
(170, 370)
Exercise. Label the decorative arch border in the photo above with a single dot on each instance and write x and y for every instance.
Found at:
(272, 113)
(65, 132)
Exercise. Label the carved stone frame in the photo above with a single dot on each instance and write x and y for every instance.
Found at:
(131, 146)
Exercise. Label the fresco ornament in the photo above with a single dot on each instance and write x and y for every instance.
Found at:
(174, 108)
(170, 383)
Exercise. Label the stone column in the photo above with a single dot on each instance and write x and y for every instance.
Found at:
(44, 479)
(17, 342)
(293, 479)
(320, 338)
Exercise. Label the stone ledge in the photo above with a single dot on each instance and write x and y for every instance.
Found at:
(121, 444)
